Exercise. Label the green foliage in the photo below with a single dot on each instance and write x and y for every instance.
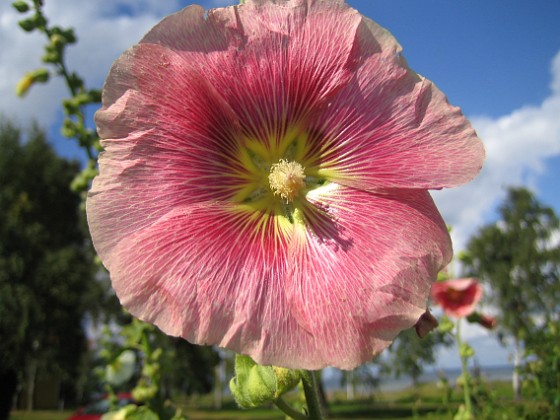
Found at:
(160, 366)
(74, 126)
(543, 368)
(46, 266)
(411, 354)
(520, 261)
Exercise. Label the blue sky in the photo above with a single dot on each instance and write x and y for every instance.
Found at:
(492, 58)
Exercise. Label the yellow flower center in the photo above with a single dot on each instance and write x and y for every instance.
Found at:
(287, 179)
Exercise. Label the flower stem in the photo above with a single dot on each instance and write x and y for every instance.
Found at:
(465, 370)
(289, 410)
(311, 394)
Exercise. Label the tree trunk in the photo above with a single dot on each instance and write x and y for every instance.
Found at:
(30, 384)
(220, 377)
(515, 379)
(349, 385)
(8, 385)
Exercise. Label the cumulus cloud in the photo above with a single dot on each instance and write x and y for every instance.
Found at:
(517, 146)
(104, 30)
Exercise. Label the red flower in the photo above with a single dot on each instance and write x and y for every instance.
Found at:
(457, 297)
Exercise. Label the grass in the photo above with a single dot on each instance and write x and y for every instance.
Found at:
(425, 402)
(40, 415)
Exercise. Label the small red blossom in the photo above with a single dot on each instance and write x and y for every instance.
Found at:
(457, 297)
(264, 184)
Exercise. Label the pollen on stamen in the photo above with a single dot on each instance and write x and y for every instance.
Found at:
(287, 179)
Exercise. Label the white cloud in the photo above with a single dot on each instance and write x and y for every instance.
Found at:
(104, 30)
(517, 146)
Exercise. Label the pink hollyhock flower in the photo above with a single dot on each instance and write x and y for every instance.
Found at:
(457, 297)
(264, 181)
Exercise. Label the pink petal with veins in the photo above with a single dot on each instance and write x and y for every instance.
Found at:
(329, 283)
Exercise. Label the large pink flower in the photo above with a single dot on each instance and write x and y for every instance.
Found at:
(457, 297)
(264, 181)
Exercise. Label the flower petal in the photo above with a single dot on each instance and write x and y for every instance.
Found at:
(212, 274)
(391, 128)
(364, 269)
(188, 156)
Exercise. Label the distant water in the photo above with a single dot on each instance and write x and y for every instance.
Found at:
(488, 373)
(389, 383)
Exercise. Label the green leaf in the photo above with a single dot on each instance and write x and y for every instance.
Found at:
(122, 368)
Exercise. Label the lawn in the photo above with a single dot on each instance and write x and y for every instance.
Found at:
(425, 402)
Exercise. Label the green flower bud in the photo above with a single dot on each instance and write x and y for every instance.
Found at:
(466, 351)
(446, 325)
(144, 393)
(156, 354)
(20, 6)
(36, 76)
(28, 25)
(255, 385)
(69, 128)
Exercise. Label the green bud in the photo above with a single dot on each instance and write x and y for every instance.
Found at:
(94, 95)
(150, 369)
(58, 40)
(463, 414)
(69, 128)
(446, 325)
(36, 76)
(20, 6)
(75, 81)
(32, 23)
(28, 25)
(156, 354)
(466, 351)
(255, 385)
(69, 35)
(287, 379)
(144, 393)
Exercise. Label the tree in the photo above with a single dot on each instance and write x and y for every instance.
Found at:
(518, 258)
(410, 354)
(47, 272)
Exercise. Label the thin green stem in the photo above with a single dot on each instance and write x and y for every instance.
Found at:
(63, 71)
(465, 370)
(289, 410)
(311, 394)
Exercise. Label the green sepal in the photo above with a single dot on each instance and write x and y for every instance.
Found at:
(255, 385)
